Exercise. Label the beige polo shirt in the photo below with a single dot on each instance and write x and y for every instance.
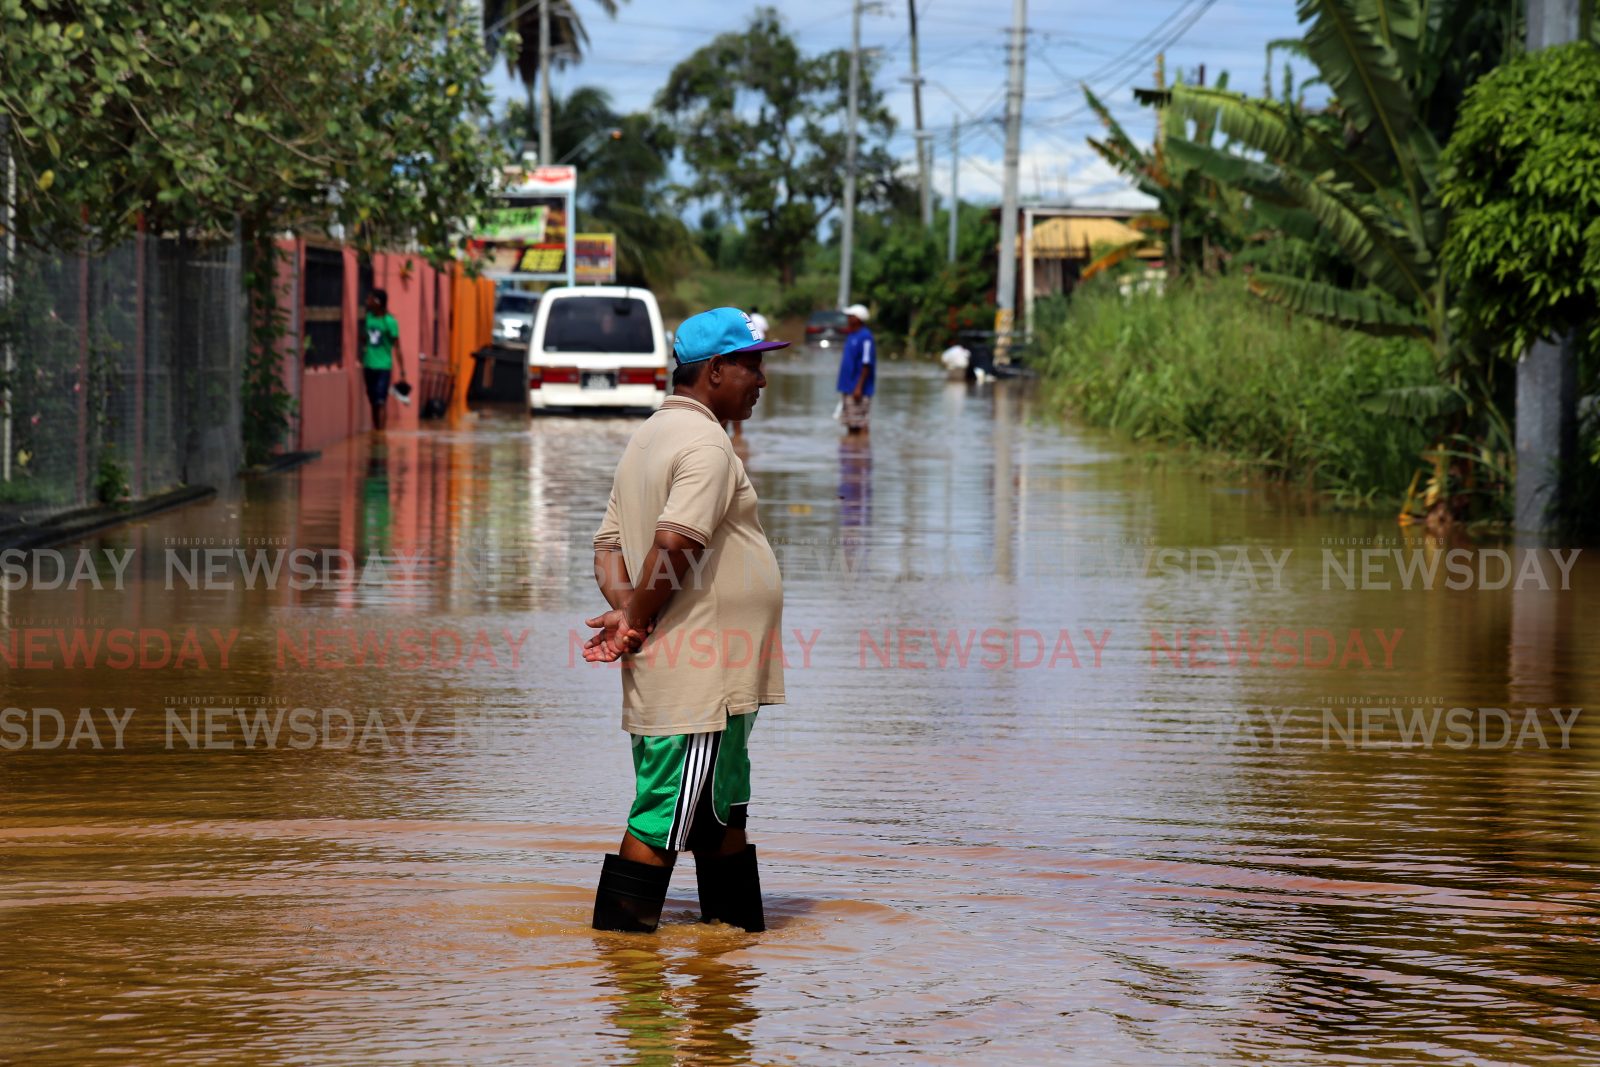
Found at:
(717, 648)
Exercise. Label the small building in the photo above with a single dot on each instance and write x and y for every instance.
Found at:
(1062, 246)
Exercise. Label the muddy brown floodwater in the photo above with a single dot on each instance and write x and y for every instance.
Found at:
(1083, 761)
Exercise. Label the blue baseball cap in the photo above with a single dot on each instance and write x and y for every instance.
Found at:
(718, 332)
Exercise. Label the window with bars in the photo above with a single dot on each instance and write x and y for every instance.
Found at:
(322, 300)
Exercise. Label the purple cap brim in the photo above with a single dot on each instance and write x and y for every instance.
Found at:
(760, 346)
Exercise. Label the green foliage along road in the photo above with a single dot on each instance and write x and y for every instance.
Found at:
(1205, 366)
(760, 128)
(311, 113)
(1356, 214)
(1522, 182)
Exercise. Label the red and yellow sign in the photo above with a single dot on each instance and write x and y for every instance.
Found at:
(596, 258)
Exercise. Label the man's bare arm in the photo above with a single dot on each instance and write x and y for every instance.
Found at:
(664, 568)
(611, 575)
(634, 611)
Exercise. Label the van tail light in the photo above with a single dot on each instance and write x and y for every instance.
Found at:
(661, 378)
(561, 375)
(813, 329)
(535, 377)
(640, 376)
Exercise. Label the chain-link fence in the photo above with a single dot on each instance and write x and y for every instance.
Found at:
(121, 372)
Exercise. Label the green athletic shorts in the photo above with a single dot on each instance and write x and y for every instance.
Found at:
(688, 787)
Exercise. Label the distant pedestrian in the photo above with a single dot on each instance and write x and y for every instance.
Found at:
(759, 322)
(682, 559)
(380, 352)
(857, 370)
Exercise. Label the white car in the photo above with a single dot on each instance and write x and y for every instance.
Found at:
(514, 310)
(597, 346)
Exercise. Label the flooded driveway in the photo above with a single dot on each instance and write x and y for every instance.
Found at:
(1083, 761)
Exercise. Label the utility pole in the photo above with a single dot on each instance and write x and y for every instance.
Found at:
(1007, 296)
(545, 154)
(1175, 234)
(847, 228)
(8, 266)
(955, 184)
(1547, 373)
(924, 149)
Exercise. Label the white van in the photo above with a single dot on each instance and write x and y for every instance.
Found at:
(597, 346)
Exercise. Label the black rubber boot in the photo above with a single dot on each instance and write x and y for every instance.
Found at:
(730, 890)
(630, 895)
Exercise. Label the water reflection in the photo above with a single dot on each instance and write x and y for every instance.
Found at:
(376, 521)
(676, 1006)
(855, 482)
(1118, 856)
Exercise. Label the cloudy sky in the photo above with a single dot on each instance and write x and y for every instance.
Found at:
(1111, 44)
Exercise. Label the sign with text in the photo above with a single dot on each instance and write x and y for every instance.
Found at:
(596, 258)
(527, 236)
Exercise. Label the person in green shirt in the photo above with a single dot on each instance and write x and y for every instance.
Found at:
(380, 352)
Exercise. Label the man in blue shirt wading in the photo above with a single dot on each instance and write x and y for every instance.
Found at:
(858, 369)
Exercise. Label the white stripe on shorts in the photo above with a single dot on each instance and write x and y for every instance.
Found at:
(697, 764)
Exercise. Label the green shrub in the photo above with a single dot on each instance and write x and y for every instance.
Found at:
(1204, 366)
(1522, 182)
(111, 479)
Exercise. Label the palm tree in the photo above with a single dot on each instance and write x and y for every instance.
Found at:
(1365, 170)
(568, 36)
(623, 188)
(568, 39)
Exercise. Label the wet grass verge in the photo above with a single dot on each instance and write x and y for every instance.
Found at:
(1206, 368)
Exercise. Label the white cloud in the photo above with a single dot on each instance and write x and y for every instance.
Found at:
(1049, 174)
(962, 50)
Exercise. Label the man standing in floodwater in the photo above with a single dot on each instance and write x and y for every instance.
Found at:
(681, 552)
(858, 371)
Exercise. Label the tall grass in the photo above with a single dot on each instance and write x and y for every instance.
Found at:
(1207, 366)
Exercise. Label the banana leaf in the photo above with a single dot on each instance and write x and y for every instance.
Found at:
(1417, 402)
(1371, 313)
(1375, 245)
(1349, 40)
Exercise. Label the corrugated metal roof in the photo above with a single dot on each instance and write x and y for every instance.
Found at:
(1069, 237)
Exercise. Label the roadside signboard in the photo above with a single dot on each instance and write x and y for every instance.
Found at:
(596, 258)
(527, 236)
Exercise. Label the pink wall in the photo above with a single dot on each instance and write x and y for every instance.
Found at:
(332, 399)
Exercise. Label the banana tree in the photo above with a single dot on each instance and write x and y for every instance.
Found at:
(1190, 204)
(1366, 169)
(1364, 173)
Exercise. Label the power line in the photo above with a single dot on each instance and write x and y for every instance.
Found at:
(1128, 66)
(1142, 44)
(1135, 69)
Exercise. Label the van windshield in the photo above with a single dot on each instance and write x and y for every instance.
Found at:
(598, 324)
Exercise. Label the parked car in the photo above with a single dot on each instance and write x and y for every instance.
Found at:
(597, 346)
(514, 310)
(825, 328)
